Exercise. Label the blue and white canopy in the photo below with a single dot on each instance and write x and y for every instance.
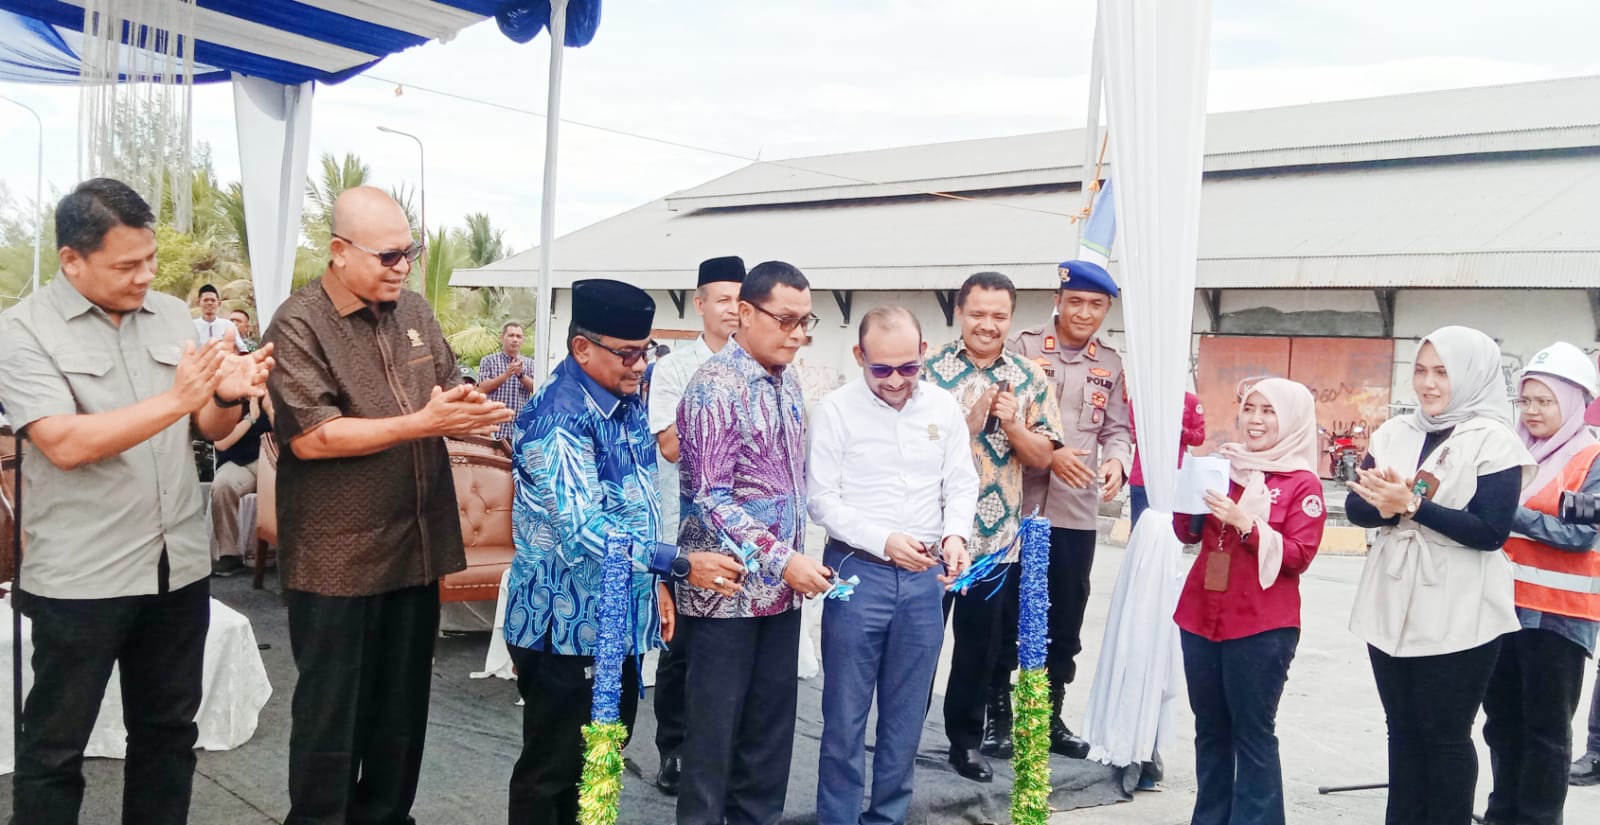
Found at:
(284, 41)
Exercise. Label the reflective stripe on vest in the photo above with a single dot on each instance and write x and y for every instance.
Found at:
(1549, 579)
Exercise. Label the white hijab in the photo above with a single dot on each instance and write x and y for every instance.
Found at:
(1478, 387)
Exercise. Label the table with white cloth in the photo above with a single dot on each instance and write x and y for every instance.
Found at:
(234, 689)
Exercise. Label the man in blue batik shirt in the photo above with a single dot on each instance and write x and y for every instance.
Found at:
(585, 469)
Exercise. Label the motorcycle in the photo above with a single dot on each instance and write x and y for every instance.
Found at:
(1343, 454)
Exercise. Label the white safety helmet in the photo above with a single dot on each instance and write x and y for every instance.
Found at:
(1566, 361)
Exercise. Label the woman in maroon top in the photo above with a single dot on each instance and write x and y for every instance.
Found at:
(1240, 609)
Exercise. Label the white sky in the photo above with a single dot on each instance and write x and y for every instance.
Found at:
(783, 80)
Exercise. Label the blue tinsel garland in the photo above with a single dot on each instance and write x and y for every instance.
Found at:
(1033, 623)
(613, 622)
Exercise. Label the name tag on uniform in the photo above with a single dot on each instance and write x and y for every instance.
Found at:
(1217, 566)
(416, 337)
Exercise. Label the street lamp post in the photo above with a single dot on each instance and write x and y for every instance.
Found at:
(422, 190)
(38, 189)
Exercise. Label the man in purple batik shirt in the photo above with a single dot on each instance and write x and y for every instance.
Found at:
(741, 432)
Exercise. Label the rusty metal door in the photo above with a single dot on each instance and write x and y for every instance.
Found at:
(1350, 377)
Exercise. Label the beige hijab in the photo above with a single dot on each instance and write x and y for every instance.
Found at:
(1295, 449)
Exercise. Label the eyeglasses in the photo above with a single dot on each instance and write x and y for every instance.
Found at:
(629, 355)
(910, 369)
(388, 258)
(787, 323)
(1536, 403)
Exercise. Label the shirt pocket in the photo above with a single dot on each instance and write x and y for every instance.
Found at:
(88, 376)
(1090, 417)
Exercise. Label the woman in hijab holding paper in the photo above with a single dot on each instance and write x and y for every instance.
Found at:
(1240, 609)
(1538, 678)
(1441, 487)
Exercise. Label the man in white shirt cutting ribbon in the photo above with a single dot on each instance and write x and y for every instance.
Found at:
(892, 479)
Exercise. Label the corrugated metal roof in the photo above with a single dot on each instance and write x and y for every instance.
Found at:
(1496, 221)
(1554, 114)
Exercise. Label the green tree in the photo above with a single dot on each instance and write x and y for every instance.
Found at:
(484, 244)
(336, 176)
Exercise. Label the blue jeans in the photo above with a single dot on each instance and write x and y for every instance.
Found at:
(1138, 502)
(885, 639)
(1234, 688)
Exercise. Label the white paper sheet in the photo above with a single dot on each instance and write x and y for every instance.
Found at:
(1198, 475)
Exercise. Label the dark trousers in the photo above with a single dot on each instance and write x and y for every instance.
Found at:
(1234, 688)
(558, 700)
(360, 709)
(159, 644)
(1430, 704)
(1071, 559)
(1594, 713)
(1138, 502)
(672, 668)
(984, 623)
(885, 640)
(742, 683)
(1533, 695)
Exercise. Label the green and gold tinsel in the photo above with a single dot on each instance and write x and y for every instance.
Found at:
(1030, 791)
(601, 788)
(1030, 726)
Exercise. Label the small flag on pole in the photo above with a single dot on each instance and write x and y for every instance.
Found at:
(1100, 229)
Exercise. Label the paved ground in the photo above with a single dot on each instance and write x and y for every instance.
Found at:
(1330, 724)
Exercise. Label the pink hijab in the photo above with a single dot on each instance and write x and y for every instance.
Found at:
(1554, 452)
(1296, 449)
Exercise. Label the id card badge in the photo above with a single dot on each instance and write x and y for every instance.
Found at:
(1426, 485)
(1217, 566)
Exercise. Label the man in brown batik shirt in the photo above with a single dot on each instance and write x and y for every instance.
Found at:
(367, 519)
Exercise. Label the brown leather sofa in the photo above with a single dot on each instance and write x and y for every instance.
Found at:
(8, 501)
(481, 469)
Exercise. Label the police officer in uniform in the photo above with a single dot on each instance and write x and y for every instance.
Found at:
(1090, 466)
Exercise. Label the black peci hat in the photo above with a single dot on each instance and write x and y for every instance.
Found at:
(606, 307)
(729, 269)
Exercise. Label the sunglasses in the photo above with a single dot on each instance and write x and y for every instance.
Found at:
(629, 355)
(787, 323)
(389, 258)
(910, 369)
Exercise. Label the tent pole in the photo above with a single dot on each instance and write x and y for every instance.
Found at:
(547, 201)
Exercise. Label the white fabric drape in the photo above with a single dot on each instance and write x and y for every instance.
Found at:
(234, 689)
(274, 131)
(1157, 55)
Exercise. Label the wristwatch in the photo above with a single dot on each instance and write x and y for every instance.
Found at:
(1411, 509)
(681, 567)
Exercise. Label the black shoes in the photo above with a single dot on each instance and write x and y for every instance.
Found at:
(971, 764)
(667, 777)
(1063, 742)
(997, 724)
(226, 566)
(1585, 771)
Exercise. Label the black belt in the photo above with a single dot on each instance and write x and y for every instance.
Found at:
(839, 546)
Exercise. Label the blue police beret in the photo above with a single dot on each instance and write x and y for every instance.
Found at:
(1086, 277)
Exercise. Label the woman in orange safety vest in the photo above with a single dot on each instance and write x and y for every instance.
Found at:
(1538, 679)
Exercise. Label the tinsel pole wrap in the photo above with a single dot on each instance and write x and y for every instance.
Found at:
(1030, 761)
(600, 790)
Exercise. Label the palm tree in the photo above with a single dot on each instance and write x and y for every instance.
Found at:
(337, 176)
(484, 244)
